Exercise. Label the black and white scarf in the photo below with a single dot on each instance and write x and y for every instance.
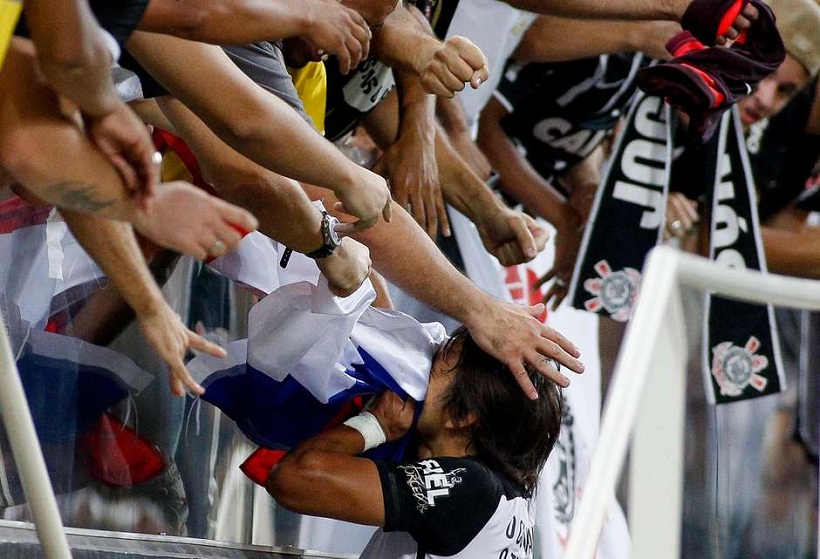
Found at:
(741, 354)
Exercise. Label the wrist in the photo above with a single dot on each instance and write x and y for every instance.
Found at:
(369, 428)
(330, 239)
(568, 218)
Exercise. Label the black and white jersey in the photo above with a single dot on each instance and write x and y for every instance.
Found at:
(559, 112)
(450, 507)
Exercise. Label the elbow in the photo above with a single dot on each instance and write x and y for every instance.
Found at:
(290, 481)
(202, 23)
(240, 130)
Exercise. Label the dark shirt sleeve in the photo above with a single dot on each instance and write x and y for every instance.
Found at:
(443, 503)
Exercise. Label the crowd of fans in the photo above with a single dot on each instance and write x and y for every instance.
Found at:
(424, 147)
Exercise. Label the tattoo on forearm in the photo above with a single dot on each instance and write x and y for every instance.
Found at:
(79, 196)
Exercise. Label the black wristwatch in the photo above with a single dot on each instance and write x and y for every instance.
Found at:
(330, 240)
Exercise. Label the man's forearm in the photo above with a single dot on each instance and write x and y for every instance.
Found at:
(555, 39)
(518, 178)
(792, 253)
(403, 42)
(72, 53)
(461, 187)
(114, 248)
(283, 209)
(255, 123)
(407, 257)
(606, 9)
(205, 20)
(451, 116)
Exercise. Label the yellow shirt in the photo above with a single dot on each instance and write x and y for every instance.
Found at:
(9, 12)
(311, 85)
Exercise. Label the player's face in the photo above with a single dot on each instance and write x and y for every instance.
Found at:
(433, 415)
(772, 94)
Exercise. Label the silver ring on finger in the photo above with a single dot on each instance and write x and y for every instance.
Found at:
(676, 227)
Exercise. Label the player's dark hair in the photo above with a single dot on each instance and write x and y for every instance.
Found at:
(513, 435)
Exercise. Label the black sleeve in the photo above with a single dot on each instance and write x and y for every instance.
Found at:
(443, 502)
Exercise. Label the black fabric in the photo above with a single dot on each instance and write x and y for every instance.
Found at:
(350, 98)
(559, 112)
(151, 88)
(118, 17)
(783, 157)
(703, 82)
(741, 349)
(443, 503)
(703, 17)
(626, 221)
(438, 12)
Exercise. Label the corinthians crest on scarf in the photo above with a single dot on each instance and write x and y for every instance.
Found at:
(741, 354)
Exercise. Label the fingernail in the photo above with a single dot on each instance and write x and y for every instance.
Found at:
(446, 232)
(533, 395)
(530, 252)
(478, 83)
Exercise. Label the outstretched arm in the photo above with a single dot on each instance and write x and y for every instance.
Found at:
(407, 42)
(553, 39)
(327, 24)
(113, 246)
(665, 10)
(256, 123)
(284, 211)
(403, 254)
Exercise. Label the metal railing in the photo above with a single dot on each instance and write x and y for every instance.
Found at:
(647, 398)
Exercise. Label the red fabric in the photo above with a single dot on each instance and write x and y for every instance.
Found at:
(117, 456)
(166, 140)
(16, 214)
(259, 464)
(729, 17)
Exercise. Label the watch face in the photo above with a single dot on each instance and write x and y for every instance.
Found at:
(333, 237)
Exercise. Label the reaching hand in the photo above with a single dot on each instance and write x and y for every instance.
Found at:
(365, 198)
(122, 137)
(191, 221)
(681, 216)
(449, 67)
(394, 414)
(512, 237)
(347, 267)
(339, 31)
(411, 166)
(165, 333)
(513, 335)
